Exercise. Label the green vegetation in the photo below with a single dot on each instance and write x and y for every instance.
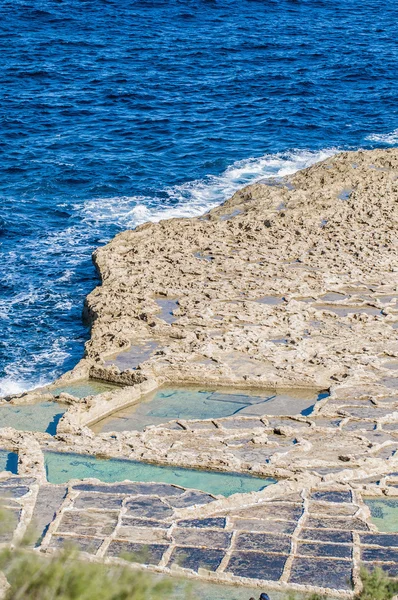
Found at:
(33, 576)
(63, 577)
(377, 585)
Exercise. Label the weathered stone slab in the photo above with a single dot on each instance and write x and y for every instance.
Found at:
(190, 499)
(324, 535)
(347, 524)
(332, 496)
(88, 523)
(84, 544)
(266, 525)
(149, 554)
(133, 522)
(379, 554)
(276, 510)
(48, 502)
(143, 535)
(217, 522)
(196, 558)
(257, 565)
(327, 573)
(263, 541)
(152, 508)
(9, 491)
(17, 481)
(380, 539)
(327, 550)
(208, 538)
(102, 501)
(332, 509)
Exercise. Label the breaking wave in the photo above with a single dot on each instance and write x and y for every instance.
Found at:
(197, 197)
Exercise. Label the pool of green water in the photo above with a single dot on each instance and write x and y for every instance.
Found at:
(384, 513)
(9, 461)
(83, 388)
(61, 467)
(170, 403)
(42, 416)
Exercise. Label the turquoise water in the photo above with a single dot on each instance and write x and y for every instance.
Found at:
(85, 387)
(384, 513)
(167, 404)
(61, 467)
(43, 416)
(9, 461)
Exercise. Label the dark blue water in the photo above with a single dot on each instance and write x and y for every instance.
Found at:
(116, 111)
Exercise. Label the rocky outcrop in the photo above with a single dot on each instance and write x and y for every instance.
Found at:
(290, 283)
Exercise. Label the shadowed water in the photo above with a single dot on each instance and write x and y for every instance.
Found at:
(8, 461)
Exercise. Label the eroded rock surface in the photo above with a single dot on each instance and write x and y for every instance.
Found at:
(293, 284)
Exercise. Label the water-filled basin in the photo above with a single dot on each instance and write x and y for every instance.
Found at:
(8, 461)
(85, 387)
(167, 307)
(170, 403)
(61, 467)
(133, 356)
(42, 416)
(384, 513)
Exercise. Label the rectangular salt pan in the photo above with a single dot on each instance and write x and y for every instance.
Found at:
(187, 403)
(384, 513)
(61, 467)
(83, 388)
(43, 416)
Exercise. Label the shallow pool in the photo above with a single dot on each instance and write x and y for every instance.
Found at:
(42, 416)
(61, 467)
(9, 461)
(384, 513)
(169, 403)
(85, 387)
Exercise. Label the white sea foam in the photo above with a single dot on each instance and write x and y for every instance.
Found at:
(197, 197)
(187, 200)
(391, 139)
(19, 377)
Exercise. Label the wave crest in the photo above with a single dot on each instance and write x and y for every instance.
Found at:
(197, 197)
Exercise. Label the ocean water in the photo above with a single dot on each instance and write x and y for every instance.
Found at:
(118, 111)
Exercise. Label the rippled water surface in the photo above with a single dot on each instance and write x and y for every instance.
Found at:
(118, 111)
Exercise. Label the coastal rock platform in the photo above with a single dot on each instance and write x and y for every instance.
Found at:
(292, 283)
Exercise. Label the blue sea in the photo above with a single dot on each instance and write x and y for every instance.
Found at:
(114, 112)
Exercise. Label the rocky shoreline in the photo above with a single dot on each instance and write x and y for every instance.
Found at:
(291, 283)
